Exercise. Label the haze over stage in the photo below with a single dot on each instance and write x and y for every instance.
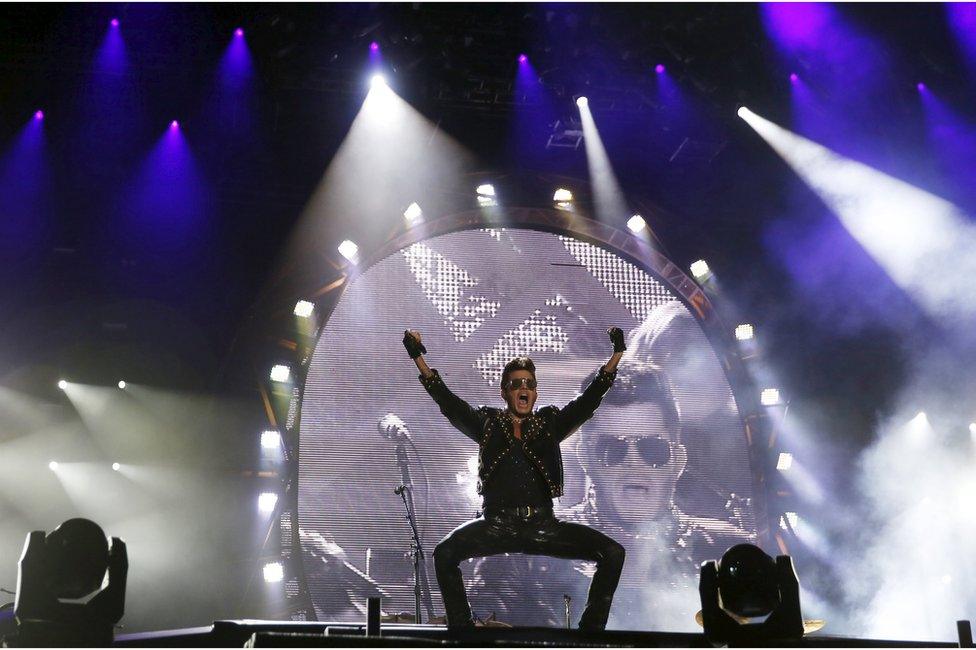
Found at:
(205, 208)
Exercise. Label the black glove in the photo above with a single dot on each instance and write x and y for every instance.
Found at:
(414, 347)
(617, 338)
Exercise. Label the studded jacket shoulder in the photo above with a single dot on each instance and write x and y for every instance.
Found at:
(541, 432)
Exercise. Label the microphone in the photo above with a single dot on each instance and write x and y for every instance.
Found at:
(400, 490)
(392, 427)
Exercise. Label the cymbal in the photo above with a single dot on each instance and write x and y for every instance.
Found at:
(491, 621)
(810, 625)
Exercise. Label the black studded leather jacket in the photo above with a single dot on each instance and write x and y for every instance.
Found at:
(542, 431)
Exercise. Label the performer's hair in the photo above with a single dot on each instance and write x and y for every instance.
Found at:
(644, 383)
(518, 363)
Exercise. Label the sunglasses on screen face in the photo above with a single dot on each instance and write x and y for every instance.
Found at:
(611, 451)
(515, 384)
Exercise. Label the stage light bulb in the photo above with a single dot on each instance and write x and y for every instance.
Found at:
(744, 332)
(377, 81)
(522, 58)
(413, 213)
(62, 384)
(174, 125)
(38, 114)
(486, 195)
(53, 465)
(239, 32)
(374, 46)
(274, 572)
(794, 77)
(280, 373)
(918, 428)
(349, 250)
(743, 112)
(114, 22)
(122, 384)
(769, 397)
(582, 102)
(785, 461)
(972, 428)
(116, 467)
(636, 224)
(699, 269)
(304, 308)
(921, 87)
(270, 439)
(791, 518)
(562, 195)
(267, 502)
(659, 68)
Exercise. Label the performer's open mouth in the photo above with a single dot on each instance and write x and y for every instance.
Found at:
(523, 400)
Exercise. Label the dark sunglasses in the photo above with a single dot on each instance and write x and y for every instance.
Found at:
(612, 451)
(528, 382)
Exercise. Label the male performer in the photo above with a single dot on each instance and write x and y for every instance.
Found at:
(520, 472)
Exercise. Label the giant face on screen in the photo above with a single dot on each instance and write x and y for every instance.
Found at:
(664, 472)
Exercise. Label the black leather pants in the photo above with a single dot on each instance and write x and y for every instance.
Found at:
(539, 534)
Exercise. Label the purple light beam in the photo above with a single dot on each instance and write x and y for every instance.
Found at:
(111, 55)
(375, 58)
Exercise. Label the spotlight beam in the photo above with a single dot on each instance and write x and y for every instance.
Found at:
(611, 205)
(391, 156)
(924, 243)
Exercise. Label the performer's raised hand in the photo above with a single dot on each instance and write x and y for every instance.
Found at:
(617, 338)
(412, 342)
(416, 350)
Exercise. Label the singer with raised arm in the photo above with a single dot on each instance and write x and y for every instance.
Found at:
(520, 472)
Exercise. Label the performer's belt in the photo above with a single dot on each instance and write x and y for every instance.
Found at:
(522, 512)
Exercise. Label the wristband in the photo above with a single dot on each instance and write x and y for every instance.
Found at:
(414, 347)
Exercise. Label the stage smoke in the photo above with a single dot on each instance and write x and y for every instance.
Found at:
(924, 243)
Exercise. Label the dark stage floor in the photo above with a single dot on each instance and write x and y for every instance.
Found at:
(256, 633)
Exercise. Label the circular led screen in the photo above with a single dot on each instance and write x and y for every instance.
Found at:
(674, 496)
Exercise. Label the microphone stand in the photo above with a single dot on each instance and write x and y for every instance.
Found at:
(421, 585)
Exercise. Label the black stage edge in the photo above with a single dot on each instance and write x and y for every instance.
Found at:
(285, 634)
